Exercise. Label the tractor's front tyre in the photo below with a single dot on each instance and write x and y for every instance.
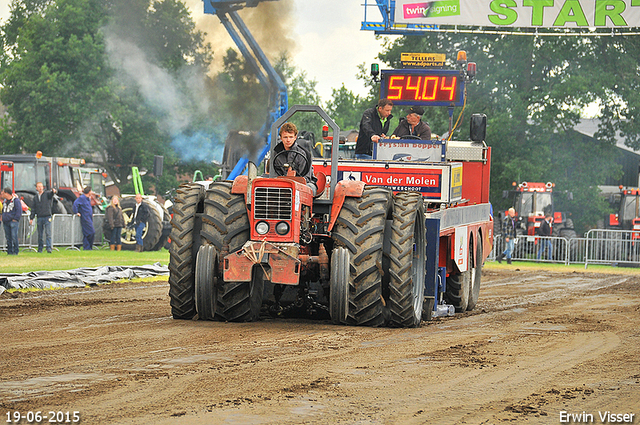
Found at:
(206, 282)
(407, 255)
(241, 301)
(360, 229)
(185, 242)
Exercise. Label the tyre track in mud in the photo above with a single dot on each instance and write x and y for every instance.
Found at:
(533, 346)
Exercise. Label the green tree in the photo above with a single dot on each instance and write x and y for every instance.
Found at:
(346, 108)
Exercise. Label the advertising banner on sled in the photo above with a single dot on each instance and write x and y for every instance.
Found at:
(521, 13)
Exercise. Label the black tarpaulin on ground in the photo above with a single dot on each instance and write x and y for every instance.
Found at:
(78, 277)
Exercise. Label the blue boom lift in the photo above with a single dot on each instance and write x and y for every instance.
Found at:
(227, 12)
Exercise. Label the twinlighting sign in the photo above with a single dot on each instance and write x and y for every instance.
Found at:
(521, 13)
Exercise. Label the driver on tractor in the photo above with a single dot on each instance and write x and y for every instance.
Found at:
(288, 154)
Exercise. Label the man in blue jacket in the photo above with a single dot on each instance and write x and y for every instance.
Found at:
(82, 207)
(11, 213)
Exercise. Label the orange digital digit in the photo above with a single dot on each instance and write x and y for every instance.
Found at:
(413, 88)
(430, 88)
(397, 88)
(451, 88)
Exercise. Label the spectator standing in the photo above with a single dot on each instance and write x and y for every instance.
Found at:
(373, 126)
(509, 226)
(11, 213)
(115, 219)
(545, 231)
(412, 125)
(42, 209)
(82, 207)
(140, 218)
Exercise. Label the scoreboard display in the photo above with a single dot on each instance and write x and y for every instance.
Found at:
(424, 87)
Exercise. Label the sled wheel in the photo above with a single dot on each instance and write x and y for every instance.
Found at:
(339, 289)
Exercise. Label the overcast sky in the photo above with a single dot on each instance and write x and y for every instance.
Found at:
(329, 43)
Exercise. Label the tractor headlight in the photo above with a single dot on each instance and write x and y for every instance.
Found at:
(262, 227)
(282, 228)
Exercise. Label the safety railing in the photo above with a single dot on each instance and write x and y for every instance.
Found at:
(615, 247)
(66, 232)
(548, 249)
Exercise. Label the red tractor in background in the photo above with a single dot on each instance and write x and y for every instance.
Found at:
(628, 216)
(532, 201)
(21, 172)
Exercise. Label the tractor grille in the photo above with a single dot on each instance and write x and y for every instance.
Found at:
(272, 203)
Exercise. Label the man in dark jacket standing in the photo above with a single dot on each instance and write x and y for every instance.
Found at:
(374, 125)
(509, 227)
(42, 209)
(82, 207)
(412, 125)
(545, 243)
(11, 213)
(140, 218)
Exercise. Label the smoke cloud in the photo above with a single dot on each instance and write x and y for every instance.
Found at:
(269, 23)
(183, 100)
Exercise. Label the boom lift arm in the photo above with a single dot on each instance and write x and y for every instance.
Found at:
(227, 12)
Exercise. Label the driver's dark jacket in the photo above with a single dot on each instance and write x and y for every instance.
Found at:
(422, 130)
(296, 161)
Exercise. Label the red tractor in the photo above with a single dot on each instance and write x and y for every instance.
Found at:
(628, 216)
(532, 201)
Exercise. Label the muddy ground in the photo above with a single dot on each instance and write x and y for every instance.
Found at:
(538, 344)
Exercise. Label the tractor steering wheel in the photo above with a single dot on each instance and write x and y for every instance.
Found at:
(280, 170)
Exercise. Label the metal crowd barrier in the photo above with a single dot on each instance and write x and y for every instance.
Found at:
(612, 247)
(599, 246)
(554, 249)
(66, 232)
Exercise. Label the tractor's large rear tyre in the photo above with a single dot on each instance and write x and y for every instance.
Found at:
(242, 301)
(407, 258)
(185, 242)
(152, 231)
(476, 276)
(339, 289)
(458, 287)
(360, 229)
(206, 282)
(225, 223)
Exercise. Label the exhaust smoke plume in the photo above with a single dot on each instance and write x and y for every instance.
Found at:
(184, 99)
(179, 100)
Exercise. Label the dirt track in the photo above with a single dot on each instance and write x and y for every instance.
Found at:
(538, 343)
